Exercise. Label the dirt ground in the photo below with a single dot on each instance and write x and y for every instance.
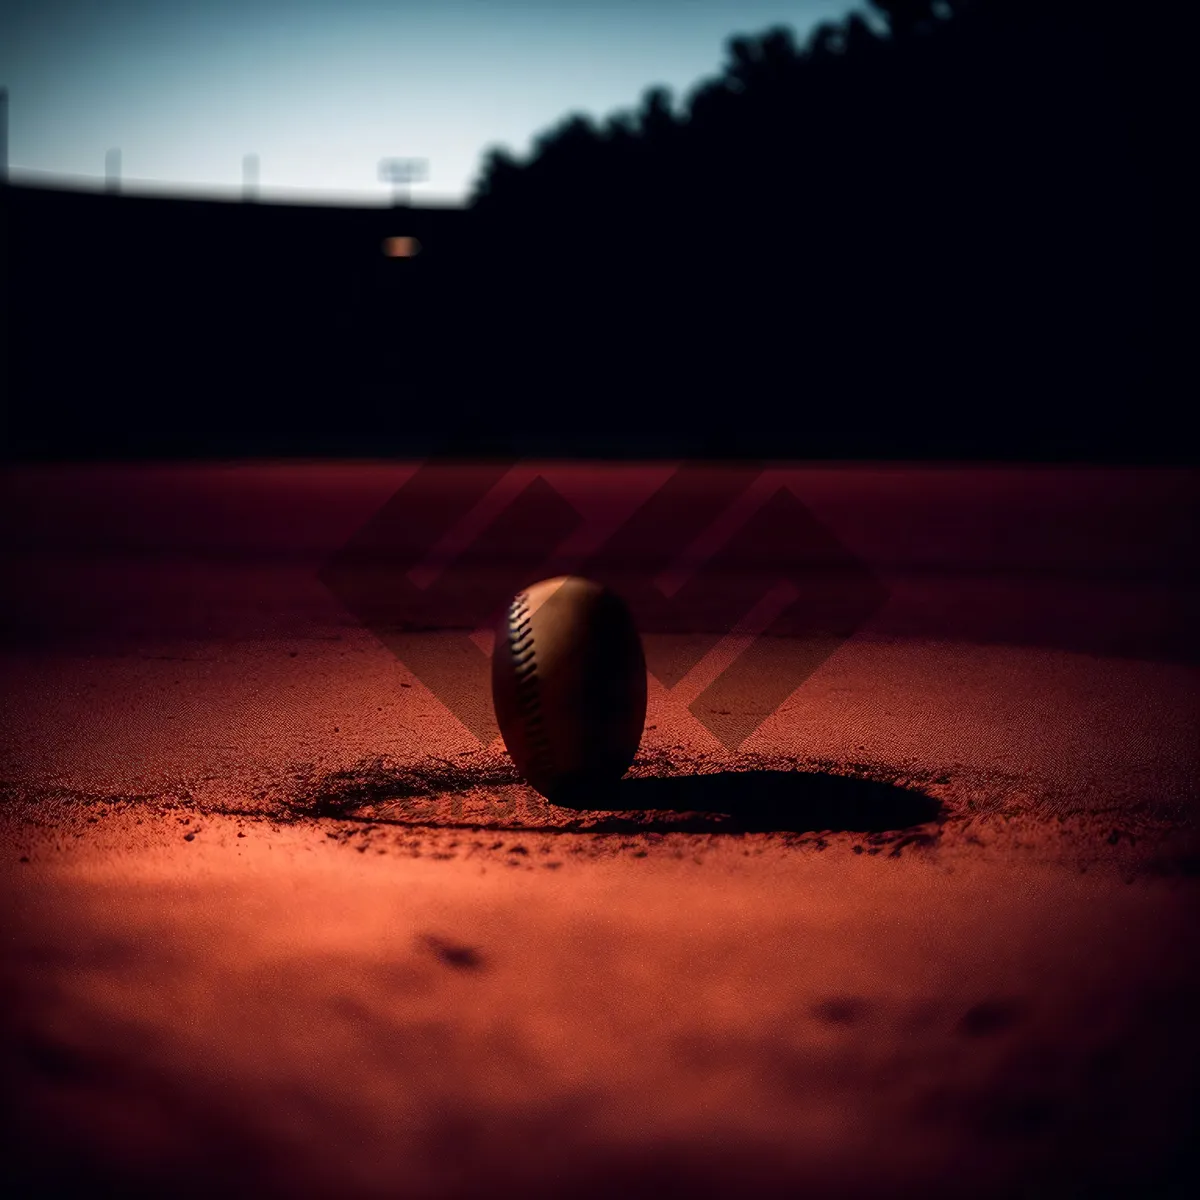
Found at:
(274, 922)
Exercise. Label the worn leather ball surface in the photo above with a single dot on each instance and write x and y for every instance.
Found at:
(569, 688)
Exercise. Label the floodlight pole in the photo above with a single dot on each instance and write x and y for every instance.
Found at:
(250, 177)
(402, 173)
(3, 135)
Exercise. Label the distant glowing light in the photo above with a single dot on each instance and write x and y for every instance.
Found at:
(401, 247)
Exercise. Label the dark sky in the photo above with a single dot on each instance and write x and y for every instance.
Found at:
(322, 90)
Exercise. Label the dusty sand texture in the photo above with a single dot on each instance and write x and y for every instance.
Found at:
(275, 923)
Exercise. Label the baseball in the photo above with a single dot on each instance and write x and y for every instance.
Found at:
(569, 688)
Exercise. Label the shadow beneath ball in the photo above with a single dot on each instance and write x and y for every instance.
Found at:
(754, 802)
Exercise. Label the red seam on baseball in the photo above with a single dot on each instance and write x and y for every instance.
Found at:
(529, 705)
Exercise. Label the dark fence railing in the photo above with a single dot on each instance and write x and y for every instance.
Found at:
(146, 327)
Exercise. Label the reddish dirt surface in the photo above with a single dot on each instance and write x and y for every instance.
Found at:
(275, 923)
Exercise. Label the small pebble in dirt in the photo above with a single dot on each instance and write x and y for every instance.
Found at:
(187, 837)
(452, 954)
(990, 1017)
(841, 1010)
(517, 849)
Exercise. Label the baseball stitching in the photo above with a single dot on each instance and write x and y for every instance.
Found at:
(520, 641)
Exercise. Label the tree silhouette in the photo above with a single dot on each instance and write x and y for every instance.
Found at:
(501, 172)
(905, 17)
(923, 205)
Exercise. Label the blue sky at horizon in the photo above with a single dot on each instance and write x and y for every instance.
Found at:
(322, 91)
